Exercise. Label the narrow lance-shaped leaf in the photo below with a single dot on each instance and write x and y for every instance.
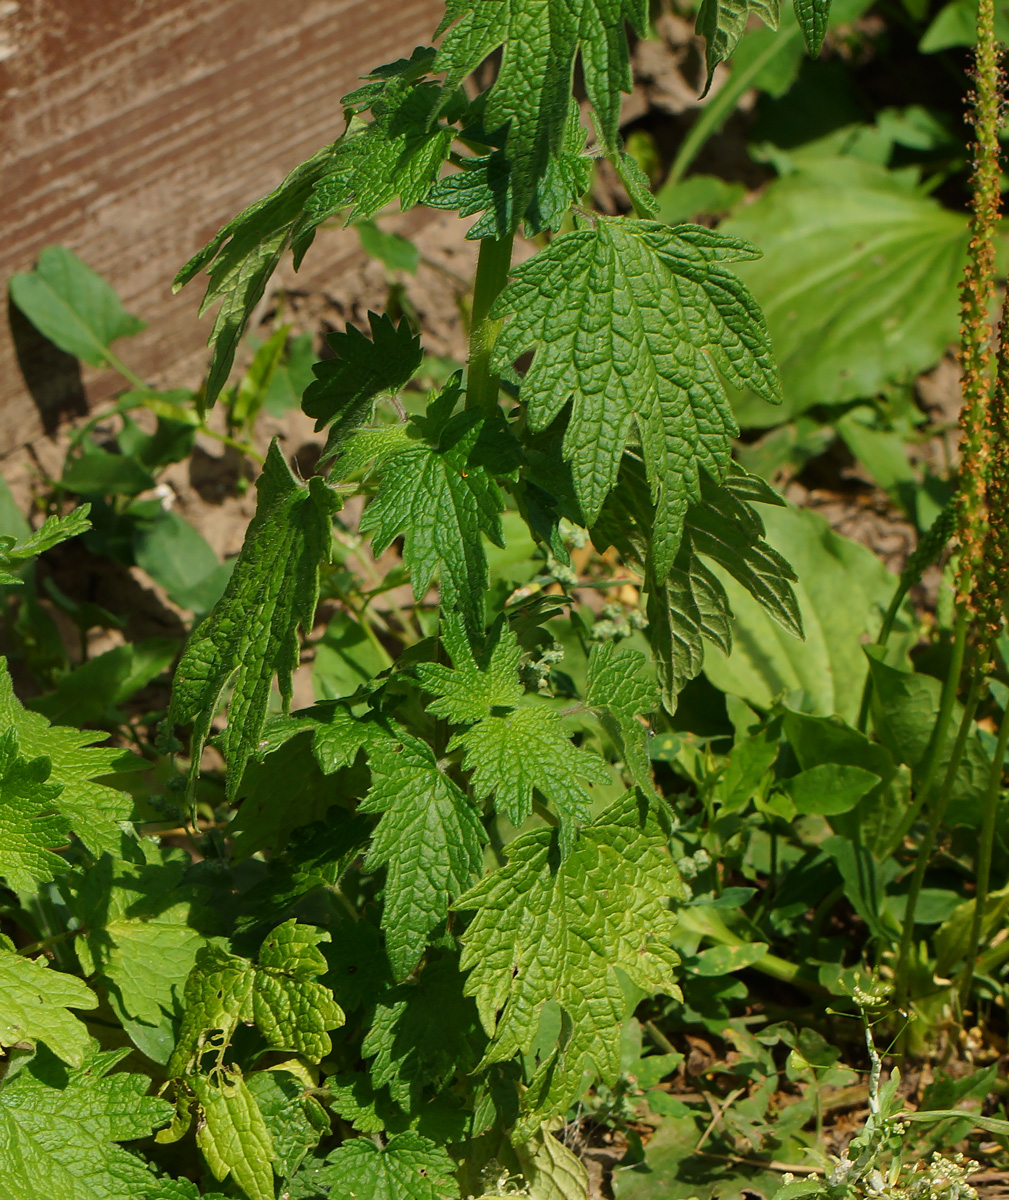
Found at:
(233, 1137)
(634, 322)
(252, 634)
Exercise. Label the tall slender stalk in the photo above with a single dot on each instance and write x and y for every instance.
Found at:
(491, 276)
(984, 852)
(936, 815)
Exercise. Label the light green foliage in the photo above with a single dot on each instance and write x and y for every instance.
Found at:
(143, 931)
(857, 281)
(252, 634)
(408, 1167)
(345, 388)
(95, 811)
(842, 591)
(630, 320)
(433, 493)
(532, 91)
(73, 306)
(279, 994)
(14, 552)
(233, 1136)
(511, 747)
(34, 1004)
(59, 1130)
(429, 839)
(552, 931)
(31, 827)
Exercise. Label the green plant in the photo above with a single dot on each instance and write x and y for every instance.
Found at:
(421, 937)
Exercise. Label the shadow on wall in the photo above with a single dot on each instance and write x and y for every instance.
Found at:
(52, 376)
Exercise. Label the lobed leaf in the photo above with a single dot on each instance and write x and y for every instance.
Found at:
(633, 321)
(548, 930)
(34, 1004)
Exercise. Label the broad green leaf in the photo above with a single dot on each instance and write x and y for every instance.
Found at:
(31, 826)
(59, 1130)
(429, 839)
(904, 710)
(295, 1120)
(630, 321)
(531, 93)
(723, 960)
(292, 771)
(422, 1033)
(858, 281)
(829, 788)
(34, 1004)
(142, 930)
(14, 552)
(181, 560)
(512, 748)
(97, 813)
(842, 592)
(252, 634)
(345, 658)
(97, 472)
(564, 932)
(686, 602)
(621, 692)
(346, 387)
(73, 306)
(399, 153)
(279, 993)
(552, 1171)
(243, 256)
(92, 693)
(408, 1167)
(441, 501)
(233, 1137)
(395, 252)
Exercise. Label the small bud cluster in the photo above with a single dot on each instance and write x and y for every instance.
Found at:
(617, 622)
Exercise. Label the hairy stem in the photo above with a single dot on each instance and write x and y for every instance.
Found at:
(928, 841)
(984, 852)
(491, 276)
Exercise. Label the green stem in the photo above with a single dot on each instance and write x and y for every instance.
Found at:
(928, 841)
(884, 636)
(932, 759)
(984, 853)
(491, 277)
(55, 940)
